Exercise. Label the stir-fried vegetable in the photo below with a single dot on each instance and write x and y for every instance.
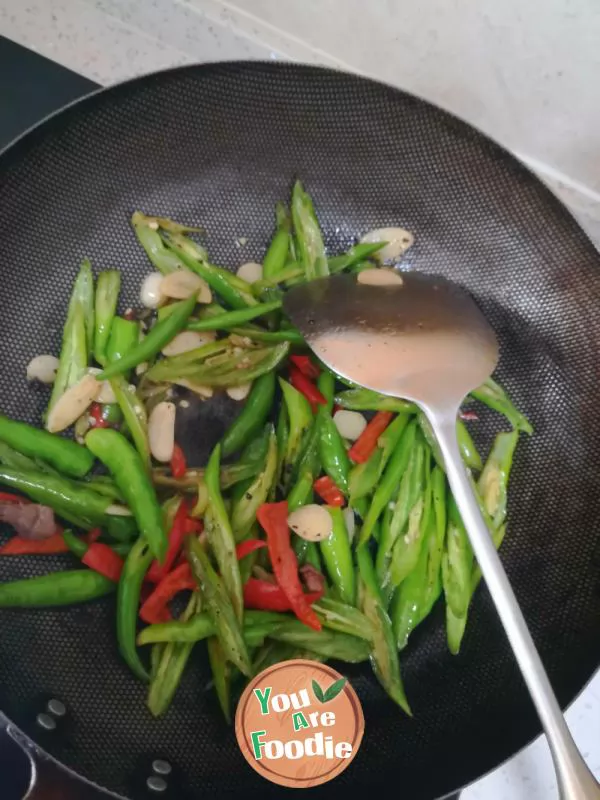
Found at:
(321, 525)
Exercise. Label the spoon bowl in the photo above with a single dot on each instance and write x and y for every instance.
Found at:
(440, 344)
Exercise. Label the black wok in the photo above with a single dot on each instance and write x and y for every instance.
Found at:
(219, 145)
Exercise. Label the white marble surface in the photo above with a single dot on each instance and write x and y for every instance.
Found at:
(526, 73)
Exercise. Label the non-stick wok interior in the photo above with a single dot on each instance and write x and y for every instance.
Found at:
(219, 145)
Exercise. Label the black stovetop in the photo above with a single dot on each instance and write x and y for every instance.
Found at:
(31, 87)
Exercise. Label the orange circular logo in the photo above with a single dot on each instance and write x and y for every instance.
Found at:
(299, 723)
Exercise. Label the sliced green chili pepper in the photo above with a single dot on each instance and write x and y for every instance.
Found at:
(312, 556)
(65, 455)
(300, 418)
(220, 534)
(259, 362)
(436, 542)
(332, 450)
(74, 354)
(389, 482)
(326, 385)
(384, 655)
(230, 367)
(327, 643)
(160, 335)
(301, 494)
(244, 511)
(457, 564)
(107, 297)
(199, 627)
(233, 290)
(337, 555)
(161, 257)
(56, 589)
(494, 396)
(407, 511)
(253, 416)
(231, 319)
(128, 598)
(221, 672)
(277, 252)
(493, 481)
(367, 400)
(135, 416)
(170, 668)
(124, 336)
(492, 486)
(309, 239)
(354, 256)
(128, 471)
(290, 335)
(343, 618)
(290, 272)
(14, 460)
(219, 606)
(410, 596)
(71, 500)
(408, 546)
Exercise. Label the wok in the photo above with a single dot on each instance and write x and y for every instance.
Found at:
(218, 145)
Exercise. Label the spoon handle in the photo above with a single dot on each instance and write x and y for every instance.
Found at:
(575, 781)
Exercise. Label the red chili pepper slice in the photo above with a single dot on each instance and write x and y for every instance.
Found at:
(328, 491)
(244, 549)
(27, 547)
(95, 412)
(7, 497)
(266, 596)
(176, 536)
(101, 558)
(154, 608)
(273, 518)
(367, 441)
(93, 535)
(306, 366)
(306, 387)
(192, 525)
(178, 462)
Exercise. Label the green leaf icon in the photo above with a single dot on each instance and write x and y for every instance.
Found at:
(318, 692)
(334, 690)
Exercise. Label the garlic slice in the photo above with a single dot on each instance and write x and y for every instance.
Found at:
(71, 405)
(42, 369)
(398, 241)
(182, 283)
(250, 272)
(384, 276)
(350, 424)
(186, 341)
(197, 388)
(240, 392)
(106, 394)
(150, 292)
(161, 431)
(311, 522)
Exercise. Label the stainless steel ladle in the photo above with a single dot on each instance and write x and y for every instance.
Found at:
(422, 338)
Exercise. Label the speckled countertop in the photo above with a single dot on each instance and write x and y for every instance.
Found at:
(110, 40)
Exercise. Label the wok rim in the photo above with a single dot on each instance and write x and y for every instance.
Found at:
(517, 166)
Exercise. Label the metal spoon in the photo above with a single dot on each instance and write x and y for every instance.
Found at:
(422, 338)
